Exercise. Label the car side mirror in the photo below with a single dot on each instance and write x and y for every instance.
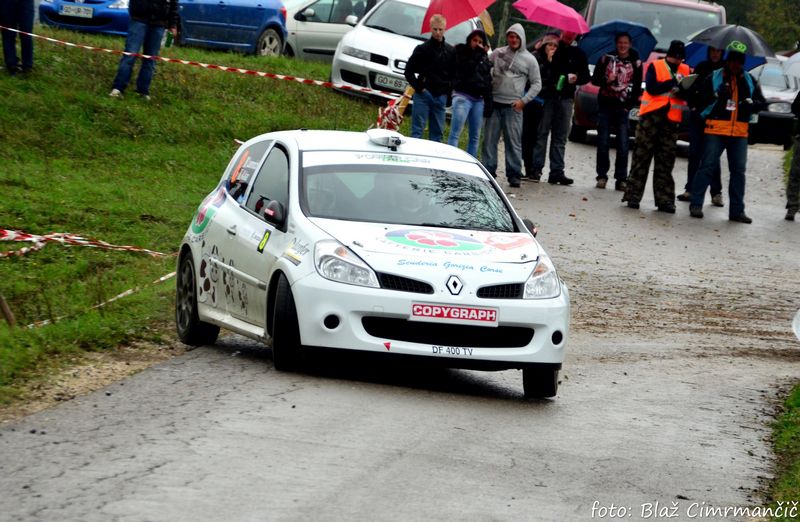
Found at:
(304, 15)
(275, 213)
(351, 20)
(530, 226)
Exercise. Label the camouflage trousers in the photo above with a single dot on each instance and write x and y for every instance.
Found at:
(793, 189)
(656, 138)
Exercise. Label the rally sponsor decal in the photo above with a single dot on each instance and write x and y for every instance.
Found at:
(205, 213)
(434, 240)
(263, 243)
(440, 312)
(508, 241)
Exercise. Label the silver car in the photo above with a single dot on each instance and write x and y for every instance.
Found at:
(375, 52)
(316, 26)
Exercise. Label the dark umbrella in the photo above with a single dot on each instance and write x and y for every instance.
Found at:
(697, 52)
(600, 39)
(735, 37)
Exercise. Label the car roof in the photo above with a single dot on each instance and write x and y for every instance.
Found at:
(316, 140)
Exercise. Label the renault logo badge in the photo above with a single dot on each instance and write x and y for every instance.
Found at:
(454, 284)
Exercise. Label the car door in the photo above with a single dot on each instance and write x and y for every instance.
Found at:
(320, 26)
(245, 20)
(202, 21)
(259, 242)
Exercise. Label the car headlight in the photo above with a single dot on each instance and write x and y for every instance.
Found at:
(119, 4)
(783, 107)
(358, 53)
(336, 262)
(543, 282)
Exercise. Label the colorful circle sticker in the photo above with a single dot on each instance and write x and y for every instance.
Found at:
(434, 240)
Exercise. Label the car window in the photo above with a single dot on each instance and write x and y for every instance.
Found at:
(245, 167)
(403, 195)
(666, 22)
(271, 183)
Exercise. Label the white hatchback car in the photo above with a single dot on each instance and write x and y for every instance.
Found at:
(316, 26)
(374, 54)
(382, 244)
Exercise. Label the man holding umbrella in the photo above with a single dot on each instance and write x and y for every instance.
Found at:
(730, 97)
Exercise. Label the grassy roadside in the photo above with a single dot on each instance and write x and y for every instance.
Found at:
(786, 440)
(126, 171)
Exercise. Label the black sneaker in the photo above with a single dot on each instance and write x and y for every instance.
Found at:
(633, 204)
(620, 185)
(669, 208)
(514, 182)
(601, 183)
(790, 215)
(741, 218)
(560, 180)
(533, 176)
(695, 212)
(686, 196)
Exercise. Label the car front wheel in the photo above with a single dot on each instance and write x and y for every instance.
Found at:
(540, 382)
(269, 43)
(285, 329)
(191, 330)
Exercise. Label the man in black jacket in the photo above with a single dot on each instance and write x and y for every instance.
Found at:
(793, 190)
(430, 73)
(570, 70)
(148, 21)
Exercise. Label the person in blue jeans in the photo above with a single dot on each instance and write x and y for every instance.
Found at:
(148, 21)
(430, 72)
(730, 97)
(619, 76)
(17, 14)
(473, 84)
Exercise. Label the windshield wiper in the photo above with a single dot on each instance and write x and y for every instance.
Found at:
(382, 28)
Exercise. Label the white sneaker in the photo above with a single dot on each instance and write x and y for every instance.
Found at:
(115, 93)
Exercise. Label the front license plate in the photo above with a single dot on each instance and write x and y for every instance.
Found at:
(381, 80)
(76, 10)
(438, 313)
(633, 114)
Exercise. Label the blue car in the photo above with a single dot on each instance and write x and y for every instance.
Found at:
(250, 26)
(94, 16)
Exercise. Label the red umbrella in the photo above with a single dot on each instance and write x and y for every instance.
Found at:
(455, 11)
(553, 14)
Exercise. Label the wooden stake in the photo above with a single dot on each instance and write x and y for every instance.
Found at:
(7, 313)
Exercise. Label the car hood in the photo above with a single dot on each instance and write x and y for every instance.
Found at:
(381, 42)
(431, 246)
(772, 94)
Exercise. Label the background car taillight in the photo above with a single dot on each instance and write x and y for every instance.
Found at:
(283, 13)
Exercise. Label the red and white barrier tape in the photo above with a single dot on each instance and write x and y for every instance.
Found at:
(39, 242)
(329, 85)
(100, 305)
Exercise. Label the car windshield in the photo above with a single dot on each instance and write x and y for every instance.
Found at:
(406, 19)
(388, 192)
(774, 77)
(666, 22)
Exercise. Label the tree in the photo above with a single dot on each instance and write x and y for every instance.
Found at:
(778, 21)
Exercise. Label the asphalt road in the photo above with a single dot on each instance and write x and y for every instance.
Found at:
(680, 347)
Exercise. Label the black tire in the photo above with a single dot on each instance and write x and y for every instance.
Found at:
(191, 330)
(577, 134)
(286, 348)
(269, 43)
(787, 145)
(540, 382)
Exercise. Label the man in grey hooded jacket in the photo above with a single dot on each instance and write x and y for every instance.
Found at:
(513, 68)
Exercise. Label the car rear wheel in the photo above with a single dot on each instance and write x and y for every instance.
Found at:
(540, 382)
(577, 134)
(191, 330)
(286, 349)
(269, 43)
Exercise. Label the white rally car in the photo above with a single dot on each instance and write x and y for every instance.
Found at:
(372, 242)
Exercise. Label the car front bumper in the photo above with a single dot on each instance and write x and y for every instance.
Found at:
(357, 73)
(336, 315)
(103, 20)
(773, 127)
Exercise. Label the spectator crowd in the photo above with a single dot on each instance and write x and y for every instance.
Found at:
(527, 98)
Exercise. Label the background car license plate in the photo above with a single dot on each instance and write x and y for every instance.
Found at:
(382, 80)
(76, 10)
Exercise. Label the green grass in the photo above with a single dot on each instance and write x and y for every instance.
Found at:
(786, 436)
(125, 171)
